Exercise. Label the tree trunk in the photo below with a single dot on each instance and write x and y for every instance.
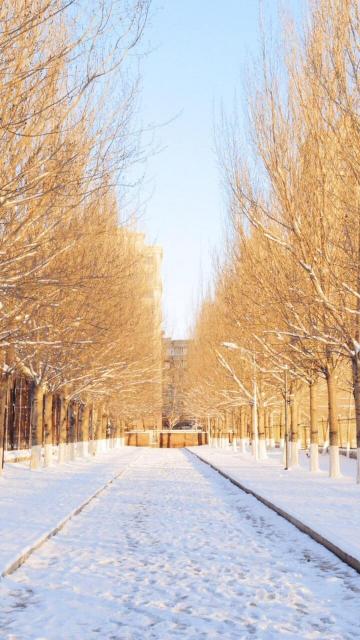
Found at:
(48, 428)
(104, 428)
(356, 390)
(225, 431)
(234, 430)
(93, 423)
(219, 434)
(314, 430)
(216, 433)
(254, 431)
(212, 432)
(122, 433)
(266, 427)
(63, 430)
(98, 445)
(79, 431)
(243, 429)
(36, 425)
(294, 435)
(117, 433)
(85, 429)
(262, 439)
(3, 402)
(281, 429)
(334, 466)
(72, 416)
(248, 419)
(271, 429)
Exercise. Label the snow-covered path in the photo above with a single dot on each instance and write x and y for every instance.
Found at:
(329, 506)
(173, 550)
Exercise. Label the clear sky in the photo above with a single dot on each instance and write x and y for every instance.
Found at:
(200, 52)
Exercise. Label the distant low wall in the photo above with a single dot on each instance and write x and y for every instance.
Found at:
(166, 439)
(137, 439)
(175, 439)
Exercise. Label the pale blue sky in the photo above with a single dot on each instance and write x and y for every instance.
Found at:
(201, 50)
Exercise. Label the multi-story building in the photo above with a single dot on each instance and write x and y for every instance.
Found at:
(151, 262)
(174, 372)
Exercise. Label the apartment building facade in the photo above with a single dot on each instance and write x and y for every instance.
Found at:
(174, 376)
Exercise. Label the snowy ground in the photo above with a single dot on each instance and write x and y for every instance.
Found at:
(329, 506)
(173, 550)
(34, 502)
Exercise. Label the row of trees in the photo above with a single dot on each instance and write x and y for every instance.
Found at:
(285, 313)
(75, 316)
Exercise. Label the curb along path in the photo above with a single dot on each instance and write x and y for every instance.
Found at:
(315, 535)
(20, 557)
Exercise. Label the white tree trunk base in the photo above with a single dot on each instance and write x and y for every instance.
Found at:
(294, 454)
(272, 443)
(242, 445)
(255, 449)
(284, 454)
(71, 451)
(62, 453)
(92, 449)
(68, 452)
(314, 457)
(35, 460)
(83, 449)
(48, 455)
(358, 466)
(100, 446)
(282, 443)
(262, 450)
(287, 458)
(334, 462)
(325, 447)
(234, 445)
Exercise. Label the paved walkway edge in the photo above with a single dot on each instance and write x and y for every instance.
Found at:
(337, 551)
(12, 566)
